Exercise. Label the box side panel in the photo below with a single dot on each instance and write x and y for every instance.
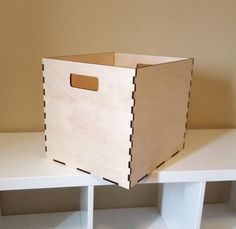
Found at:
(97, 58)
(89, 130)
(132, 60)
(160, 114)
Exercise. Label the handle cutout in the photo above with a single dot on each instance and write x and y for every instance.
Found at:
(84, 82)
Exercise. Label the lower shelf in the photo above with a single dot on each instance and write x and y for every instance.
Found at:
(220, 216)
(128, 218)
(61, 220)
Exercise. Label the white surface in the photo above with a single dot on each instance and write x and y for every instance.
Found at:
(181, 204)
(87, 206)
(215, 216)
(23, 165)
(128, 218)
(209, 155)
(218, 216)
(62, 220)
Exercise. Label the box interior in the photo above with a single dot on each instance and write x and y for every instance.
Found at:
(119, 59)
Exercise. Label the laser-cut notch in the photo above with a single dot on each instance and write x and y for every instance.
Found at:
(110, 181)
(130, 138)
(133, 80)
(131, 124)
(82, 170)
(132, 110)
(131, 157)
(129, 165)
(174, 154)
(84, 82)
(60, 162)
(160, 164)
(142, 177)
(129, 151)
(132, 95)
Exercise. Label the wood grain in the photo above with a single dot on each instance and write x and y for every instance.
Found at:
(161, 105)
(122, 130)
(86, 129)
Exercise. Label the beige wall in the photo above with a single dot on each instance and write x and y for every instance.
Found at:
(203, 29)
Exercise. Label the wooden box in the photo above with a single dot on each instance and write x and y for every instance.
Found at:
(113, 115)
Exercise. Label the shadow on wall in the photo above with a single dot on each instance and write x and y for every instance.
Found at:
(212, 101)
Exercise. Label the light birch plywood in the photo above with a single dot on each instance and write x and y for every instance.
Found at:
(119, 59)
(85, 129)
(160, 115)
(137, 60)
(97, 58)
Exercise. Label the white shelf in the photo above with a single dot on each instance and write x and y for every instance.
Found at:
(23, 165)
(209, 155)
(129, 218)
(220, 216)
(61, 220)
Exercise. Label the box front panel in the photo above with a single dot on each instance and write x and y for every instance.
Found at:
(89, 129)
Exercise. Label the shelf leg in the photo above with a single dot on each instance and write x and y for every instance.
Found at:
(181, 204)
(232, 199)
(86, 206)
(0, 206)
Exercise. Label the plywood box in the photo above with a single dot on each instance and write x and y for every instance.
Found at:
(113, 115)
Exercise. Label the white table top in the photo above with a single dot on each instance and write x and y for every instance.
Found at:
(209, 155)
